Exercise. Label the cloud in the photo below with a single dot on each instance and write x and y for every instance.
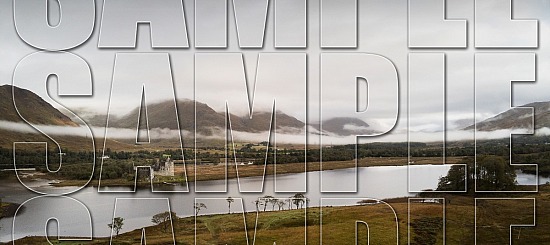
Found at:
(353, 127)
(117, 133)
(289, 137)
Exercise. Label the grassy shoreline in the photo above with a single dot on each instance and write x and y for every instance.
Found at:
(290, 226)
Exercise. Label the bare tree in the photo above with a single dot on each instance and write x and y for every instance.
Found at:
(257, 203)
(163, 218)
(289, 201)
(117, 224)
(267, 199)
(273, 202)
(281, 204)
(298, 200)
(198, 207)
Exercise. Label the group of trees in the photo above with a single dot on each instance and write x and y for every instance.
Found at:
(159, 219)
(299, 200)
(35, 157)
(82, 171)
(334, 153)
(120, 164)
(493, 173)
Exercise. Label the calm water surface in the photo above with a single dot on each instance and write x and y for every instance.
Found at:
(373, 182)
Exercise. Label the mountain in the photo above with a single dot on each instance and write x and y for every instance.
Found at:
(36, 111)
(345, 126)
(514, 119)
(207, 118)
(34, 108)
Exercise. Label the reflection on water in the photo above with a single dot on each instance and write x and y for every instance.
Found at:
(530, 179)
(373, 182)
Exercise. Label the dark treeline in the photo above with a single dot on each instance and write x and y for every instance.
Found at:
(120, 163)
(493, 173)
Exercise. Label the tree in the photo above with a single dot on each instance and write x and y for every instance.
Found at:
(273, 201)
(117, 224)
(257, 203)
(163, 218)
(289, 201)
(493, 173)
(266, 199)
(229, 201)
(454, 181)
(198, 207)
(281, 204)
(298, 199)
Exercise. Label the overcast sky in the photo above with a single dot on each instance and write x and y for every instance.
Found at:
(382, 30)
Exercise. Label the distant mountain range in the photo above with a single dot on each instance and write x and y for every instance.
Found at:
(208, 118)
(341, 126)
(515, 119)
(38, 111)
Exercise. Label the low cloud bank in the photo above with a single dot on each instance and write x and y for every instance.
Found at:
(282, 136)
